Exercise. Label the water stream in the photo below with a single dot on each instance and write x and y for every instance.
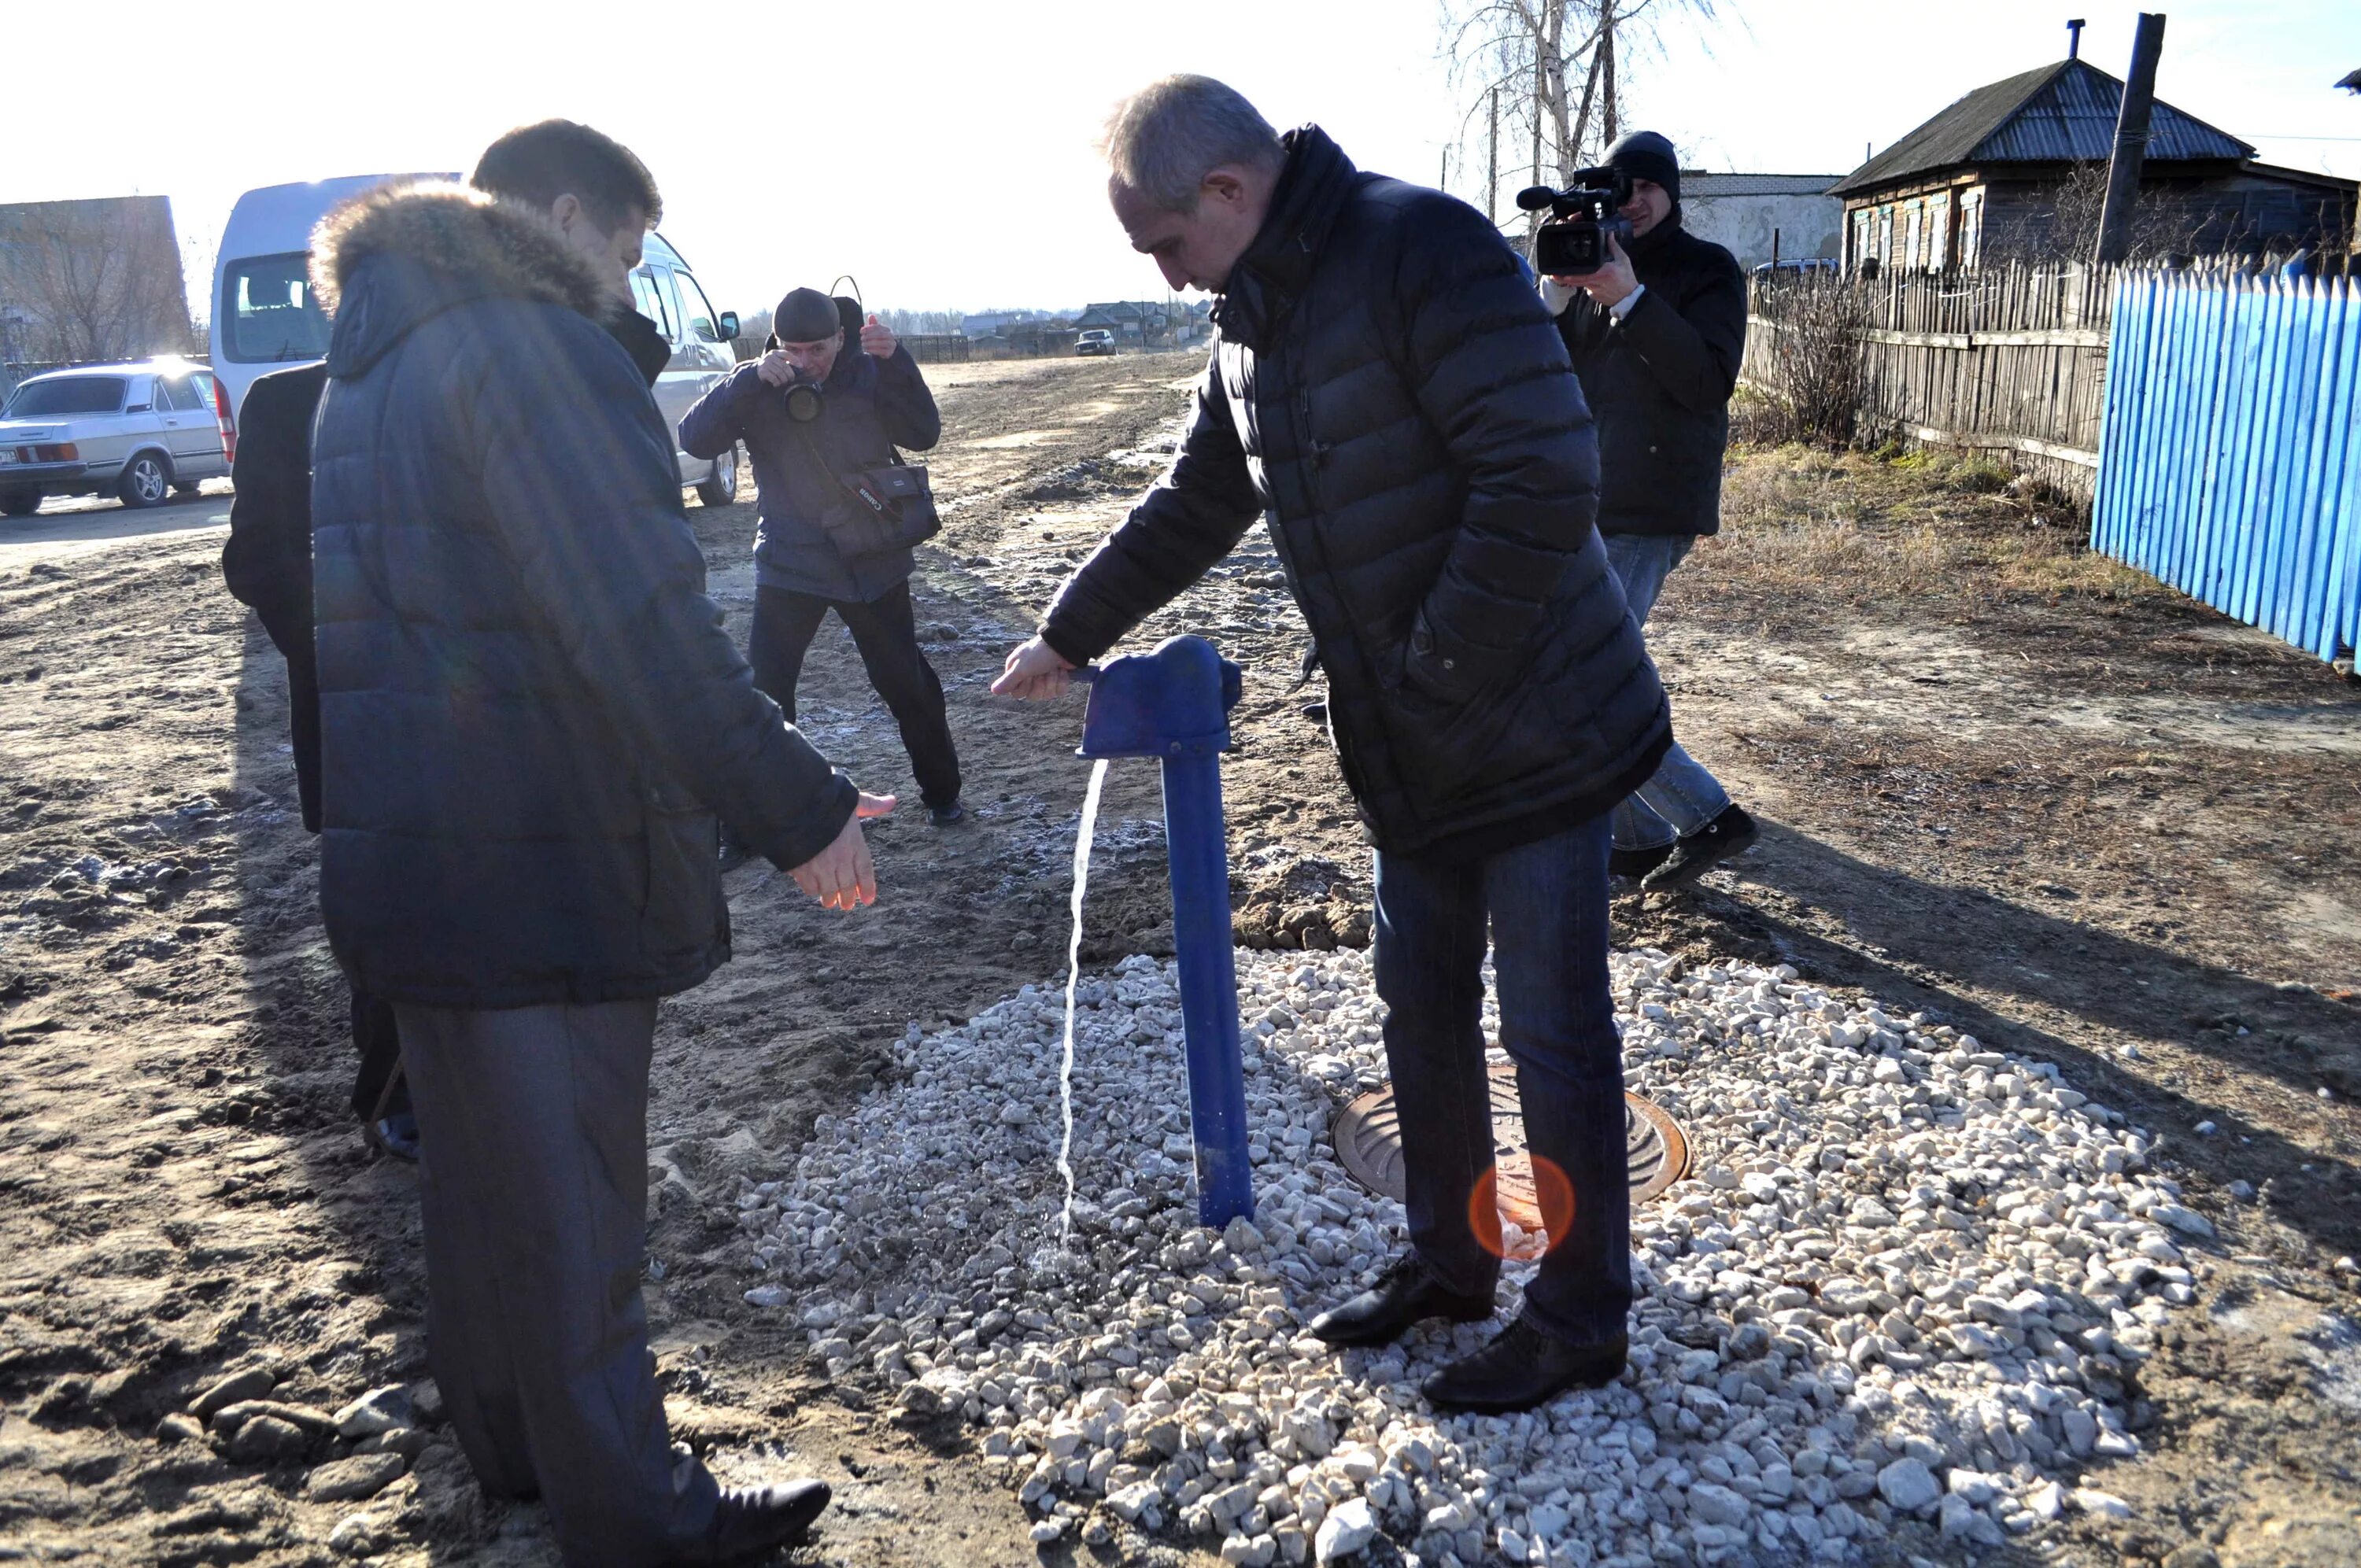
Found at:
(1073, 978)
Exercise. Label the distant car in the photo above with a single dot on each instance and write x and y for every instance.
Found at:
(1798, 266)
(265, 318)
(137, 432)
(1097, 340)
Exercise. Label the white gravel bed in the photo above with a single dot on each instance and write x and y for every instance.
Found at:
(1892, 1311)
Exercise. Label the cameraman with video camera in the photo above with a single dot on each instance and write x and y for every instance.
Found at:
(840, 513)
(1656, 320)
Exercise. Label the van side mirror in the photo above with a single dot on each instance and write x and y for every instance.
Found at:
(729, 325)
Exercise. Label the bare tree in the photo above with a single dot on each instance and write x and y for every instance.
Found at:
(2066, 229)
(93, 279)
(1816, 367)
(1553, 71)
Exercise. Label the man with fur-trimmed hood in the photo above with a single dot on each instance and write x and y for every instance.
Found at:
(530, 715)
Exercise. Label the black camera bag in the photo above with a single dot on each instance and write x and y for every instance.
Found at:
(889, 507)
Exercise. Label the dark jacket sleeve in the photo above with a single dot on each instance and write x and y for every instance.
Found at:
(717, 419)
(904, 407)
(1692, 340)
(1188, 521)
(1491, 373)
(585, 501)
(267, 560)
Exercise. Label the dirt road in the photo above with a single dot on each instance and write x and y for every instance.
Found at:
(2074, 814)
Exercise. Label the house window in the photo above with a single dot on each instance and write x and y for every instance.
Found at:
(1972, 226)
(1885, 237)
(1939, 232)
(1913, 216)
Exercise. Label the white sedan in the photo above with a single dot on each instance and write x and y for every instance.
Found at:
(136, 431)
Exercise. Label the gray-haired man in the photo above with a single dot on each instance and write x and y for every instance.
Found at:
(1391, 392)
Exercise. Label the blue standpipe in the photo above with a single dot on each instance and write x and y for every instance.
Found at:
(1174, 705)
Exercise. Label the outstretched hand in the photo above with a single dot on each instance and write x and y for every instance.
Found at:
(878, 339)
(1035, 670)
(842, 876)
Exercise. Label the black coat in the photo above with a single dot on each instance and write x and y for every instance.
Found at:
(1388, 389)
(869, 407)
(530, 712)
(267, 561)
(1659, 382)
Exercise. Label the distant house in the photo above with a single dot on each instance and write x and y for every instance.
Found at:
(2015, 167)
(98, 279)
(1138, 320)
(995, 323)
(1751, 215)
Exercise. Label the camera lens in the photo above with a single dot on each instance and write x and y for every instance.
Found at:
(803, 402)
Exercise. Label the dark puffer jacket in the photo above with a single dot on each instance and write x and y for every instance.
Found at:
(871, 407)
(1388, 387)
(1659, 382)
(529, 709)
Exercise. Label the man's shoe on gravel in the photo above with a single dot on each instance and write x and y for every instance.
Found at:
(950, 816)
(1406, 1293)
(1638, 863)
(749, 1522)
(734, 852)
(1731, 833)
(1523, 1367)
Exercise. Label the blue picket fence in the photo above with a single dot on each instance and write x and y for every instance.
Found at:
(2230, 449)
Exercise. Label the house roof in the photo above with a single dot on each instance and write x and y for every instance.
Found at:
(1697, 182)
(2060, 113)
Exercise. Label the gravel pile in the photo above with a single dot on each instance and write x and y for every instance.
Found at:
(1895, 1308)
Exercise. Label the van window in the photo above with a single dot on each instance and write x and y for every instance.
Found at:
(701, 314)
(66, 395)
(268, 313)
(651, 303)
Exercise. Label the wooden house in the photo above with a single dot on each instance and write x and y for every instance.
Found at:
(2018, 167)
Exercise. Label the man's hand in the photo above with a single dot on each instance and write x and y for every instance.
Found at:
(1612, 282)
(877, 339)
(842, 875)
(1036, 671)
(775, 369)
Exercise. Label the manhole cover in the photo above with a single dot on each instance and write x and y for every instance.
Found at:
(1369, 1142)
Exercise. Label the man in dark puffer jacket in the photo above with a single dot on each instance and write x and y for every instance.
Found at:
(1387, 390)
(1656, 335)
(529, 715)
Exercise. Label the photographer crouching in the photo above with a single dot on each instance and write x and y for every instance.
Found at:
(1656, 320)
(840, 514)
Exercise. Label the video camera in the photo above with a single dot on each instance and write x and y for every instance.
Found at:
(1573, 243)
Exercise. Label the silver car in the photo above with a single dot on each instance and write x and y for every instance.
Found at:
(137, 432)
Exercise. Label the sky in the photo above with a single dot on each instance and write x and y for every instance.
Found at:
(942, 153)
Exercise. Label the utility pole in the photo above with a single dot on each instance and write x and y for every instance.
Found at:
(2131, 141)
(1492, 165)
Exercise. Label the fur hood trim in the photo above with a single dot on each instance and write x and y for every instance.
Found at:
(459, 231)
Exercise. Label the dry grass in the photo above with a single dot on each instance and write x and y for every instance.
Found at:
(1854, 527)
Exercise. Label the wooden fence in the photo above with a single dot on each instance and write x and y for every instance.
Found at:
(2233, 444)
(2012, 360)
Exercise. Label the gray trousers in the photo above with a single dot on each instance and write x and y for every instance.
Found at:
(533, 1179)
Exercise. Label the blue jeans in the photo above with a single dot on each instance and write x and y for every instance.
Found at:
(1546, 907)
(1680, 797)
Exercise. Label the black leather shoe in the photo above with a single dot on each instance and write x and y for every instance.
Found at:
(1523, 1367)
(749, 1522)
(1731, 833)
(1406, 1293)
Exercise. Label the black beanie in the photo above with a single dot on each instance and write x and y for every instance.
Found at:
(1644, 155)
(806, 315)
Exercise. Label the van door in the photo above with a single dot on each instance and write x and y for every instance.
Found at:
(679, 386)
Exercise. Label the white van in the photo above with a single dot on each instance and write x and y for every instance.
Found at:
(264, 317)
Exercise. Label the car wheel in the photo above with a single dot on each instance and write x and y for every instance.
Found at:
(719, 488)
(20, 503)
(143, 481)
